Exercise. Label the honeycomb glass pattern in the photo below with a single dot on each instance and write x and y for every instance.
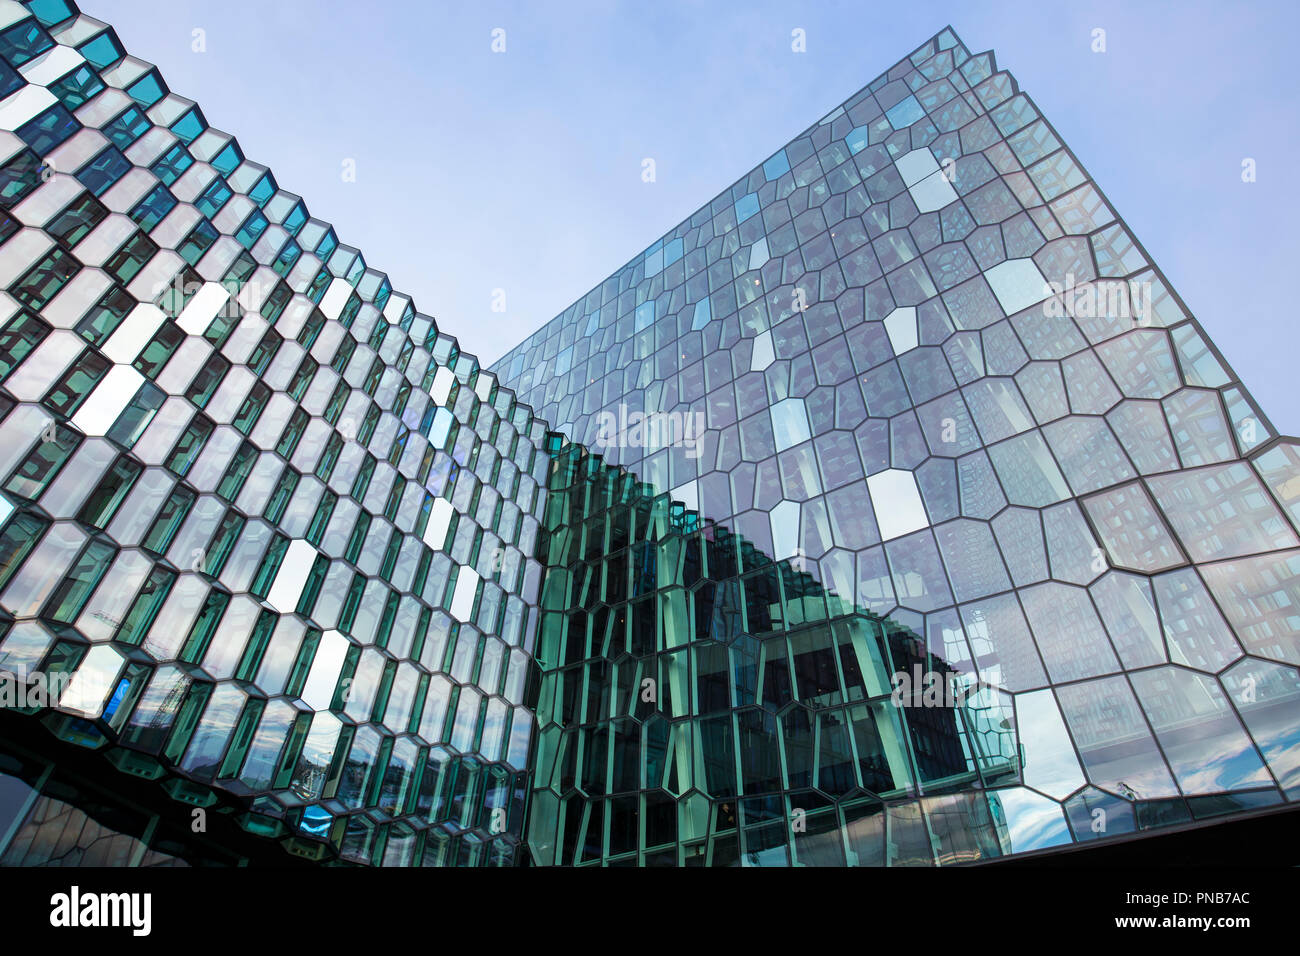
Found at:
(273, 530)
(935, 373)
(702, 704)
(978, 540)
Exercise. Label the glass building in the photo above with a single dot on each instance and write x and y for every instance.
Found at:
(890, 510)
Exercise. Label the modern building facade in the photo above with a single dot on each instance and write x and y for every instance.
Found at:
(915, 353)
(890, 510)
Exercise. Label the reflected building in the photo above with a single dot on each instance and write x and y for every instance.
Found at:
(953, 537)
(702, 704)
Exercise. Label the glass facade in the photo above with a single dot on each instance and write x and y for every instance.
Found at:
(269, 537)
(890, 510)
(929, 366)
(702, 704)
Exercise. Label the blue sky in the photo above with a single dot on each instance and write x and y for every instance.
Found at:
(521, 171)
